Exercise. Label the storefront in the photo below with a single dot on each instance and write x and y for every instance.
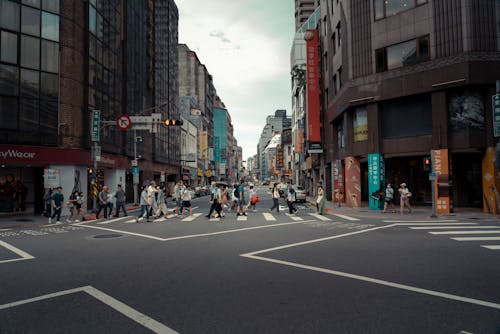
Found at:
(27, 173)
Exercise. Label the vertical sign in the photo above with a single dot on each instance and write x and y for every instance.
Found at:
(51, 178)
(440, 167)
(312, 84)
(338, 182)
(96, 124)
(203, 145)
(496, 115)
(376, 175)
(352, 182)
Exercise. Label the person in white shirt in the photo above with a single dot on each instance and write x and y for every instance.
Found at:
(187, 196)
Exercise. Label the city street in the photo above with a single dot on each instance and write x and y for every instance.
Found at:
(265, 273)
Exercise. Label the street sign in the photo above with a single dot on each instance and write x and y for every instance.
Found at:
(135, 170)
(496, 114)
(135, 178)
(432, 176)
(96, 124)
(123, 122)
(97, 153)
(134, 163)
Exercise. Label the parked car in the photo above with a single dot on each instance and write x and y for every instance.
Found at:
(300, 194)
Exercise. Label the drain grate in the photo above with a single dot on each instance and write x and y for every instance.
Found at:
(107, 236)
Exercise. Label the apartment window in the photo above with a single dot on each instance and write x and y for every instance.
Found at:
(340, 77)
(338, 34)
(402, 54)
(334, 47)
(340, 134)
(50, 26)
(30, 52)
(334, 85)
(325, 57)
(9, 15)
(385, 8)
(30, 21)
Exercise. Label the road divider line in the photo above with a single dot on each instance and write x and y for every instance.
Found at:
(492, 247)
(466, 232)
(268, 216)
(430, 221)
(345, 217)
(23, 255)
(320, 217)
(477, 239)
(452, 227)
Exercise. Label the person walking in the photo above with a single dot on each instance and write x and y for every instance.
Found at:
(79, 202)
(213, 201)
(276, 198)
(241, 209)
(187, 196)
(102, 199)
(253, 199)
(320, 201)
(178, 190)
(48, 203)
(72, 207)
(152, 191)
(389, 198)
(120, 201)
(144, 206)
(234, 197)
(160, 200)
(290, 198)
(404, 198)
(57, 204)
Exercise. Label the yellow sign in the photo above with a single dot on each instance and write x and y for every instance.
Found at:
(200, 172)
(361, 133)
(203, 145)
(208, 173)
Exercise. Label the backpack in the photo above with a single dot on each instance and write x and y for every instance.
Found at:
(237, 192)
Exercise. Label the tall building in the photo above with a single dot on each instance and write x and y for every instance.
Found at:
(401, 83)
(59, 61)
(303, 10)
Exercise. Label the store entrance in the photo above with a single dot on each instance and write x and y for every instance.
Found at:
(466, 176)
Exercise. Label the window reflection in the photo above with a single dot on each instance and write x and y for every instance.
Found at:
(50, 56)
(29, 83)
(30, 52)
(50, 26)
(9, 15)
(8, 47)
(30, 21)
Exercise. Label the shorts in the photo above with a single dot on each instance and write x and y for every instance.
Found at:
(178, 203)
(241, 203)
(388, 200)
(186, 204)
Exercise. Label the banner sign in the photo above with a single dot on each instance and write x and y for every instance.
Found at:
(312, 84)
(52, 178)
(441, 185)
(376, 176)
(338, 181)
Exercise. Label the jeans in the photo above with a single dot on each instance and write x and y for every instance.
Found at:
(144, 211)
(276, 204)
(118, 206)
(57, 212)
(291, 208)
(102, 206)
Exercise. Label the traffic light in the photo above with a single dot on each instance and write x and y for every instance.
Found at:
(172, 122)
(427, 164)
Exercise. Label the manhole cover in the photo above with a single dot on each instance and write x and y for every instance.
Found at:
(24, 220)
(107, 236)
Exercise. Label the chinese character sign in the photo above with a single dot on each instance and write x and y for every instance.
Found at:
(440, 167)
(312, 84)
(376, 176)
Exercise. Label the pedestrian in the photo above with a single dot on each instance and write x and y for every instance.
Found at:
(144, 206)
(109, 203)
(160, 200)
(57, 202)
(220, 201)
(290, 198)
(224, 198)
(241, 209)
(48, 203)
(404, 197)
(102, 199)
(79, 202)
(72, 207)
(213, 201)
(276, 198)
(120, 201)
(389, 198)
(187, 196)
(234, 197)
(152, 191)
(178, 190)
(320, 201)
(253, 199)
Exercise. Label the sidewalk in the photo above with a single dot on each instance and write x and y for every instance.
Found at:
(23, 220)
(418, 212)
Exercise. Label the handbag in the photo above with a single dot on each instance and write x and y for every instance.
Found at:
(254, 199)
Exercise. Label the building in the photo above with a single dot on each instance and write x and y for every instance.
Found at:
(64, 59)
(303, 10)
(188, 156)
(400, 82)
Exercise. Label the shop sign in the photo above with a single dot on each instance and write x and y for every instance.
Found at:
(96, 124)
(52, 178)
(496, 115)
(315, 148)
(376, 175)
(441, 169)
(313, 88)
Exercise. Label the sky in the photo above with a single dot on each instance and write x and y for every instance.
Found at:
(245, 45)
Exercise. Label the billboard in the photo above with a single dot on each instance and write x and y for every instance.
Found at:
(312, 85)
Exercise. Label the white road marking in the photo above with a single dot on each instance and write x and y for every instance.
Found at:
(451, 227)
(477, 239)
(213, 219)
(23, 255)
(117, 305)
(109, 221)
(492, 247)
(242, 218)
(160, 220)
(192, 217)
(293, 217)
(253, 255)
(425, 221)
(268, 216)
(345, 217)
(467, 232)
(131, 221)
(320, 217)
(124, 232)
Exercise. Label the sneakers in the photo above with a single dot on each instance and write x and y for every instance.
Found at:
(58, 222)
(50, 220)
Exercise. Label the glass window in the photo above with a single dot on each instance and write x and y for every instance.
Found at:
(30, 83)
(50, 56)
(50, 26)
(32, 3)
(423, 48)
(421, 2)
(49, 88)
(395, 6)
(92, 20)
(401, 54)
(29, 115)
(51, 5)
(379, 9)
(30, 21)
(360, 124)
(8, 47)
(9, 15)
(8, 112)
(381, 62)
(30, 52)
(48, 115)
(9, 80)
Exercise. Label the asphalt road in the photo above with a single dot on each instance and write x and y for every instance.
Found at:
(269, 273)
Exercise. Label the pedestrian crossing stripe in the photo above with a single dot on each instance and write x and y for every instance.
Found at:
(159, 220)
(477, 239)
(320, 217)
(492, 247)
(293, 217)
(466, 232)
(192, 217)
(268, 216)
(242, 218)
(345, 217)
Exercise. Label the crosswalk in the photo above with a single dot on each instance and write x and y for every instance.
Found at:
(484, 236)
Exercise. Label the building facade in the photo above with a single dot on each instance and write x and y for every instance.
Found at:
(403, 81)
(303, 10)
(59, 61)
